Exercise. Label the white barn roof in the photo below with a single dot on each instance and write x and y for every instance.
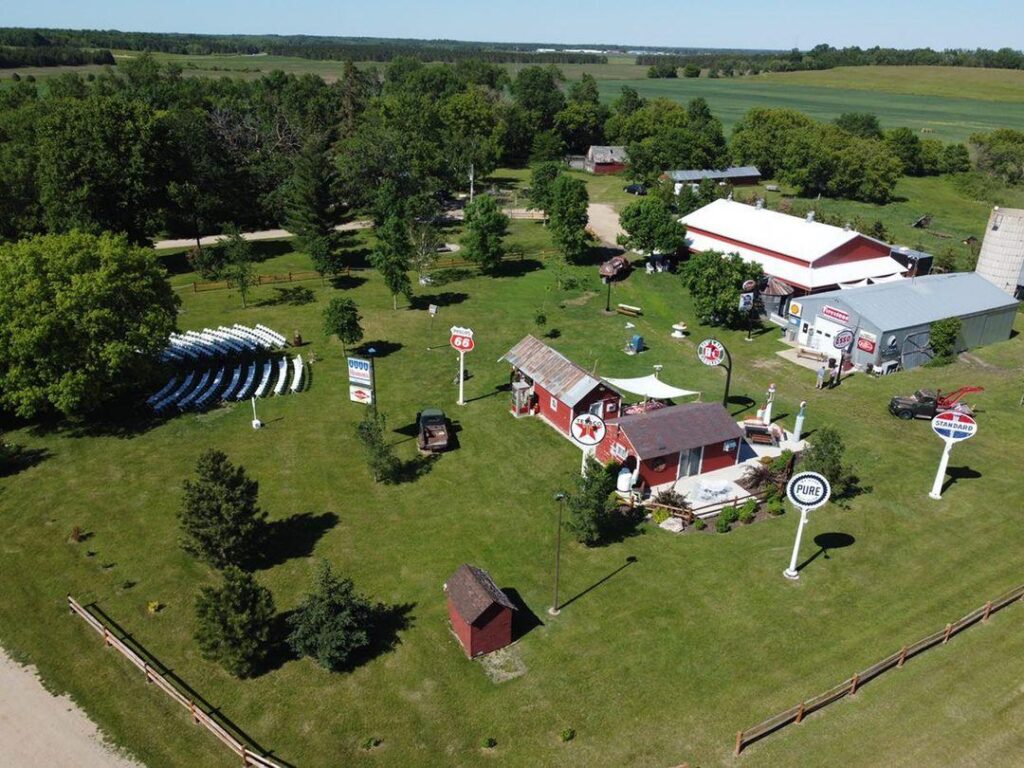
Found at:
(802, 275)
(1002, 251)
(770, 230)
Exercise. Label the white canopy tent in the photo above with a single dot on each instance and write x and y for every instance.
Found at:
(649, 387)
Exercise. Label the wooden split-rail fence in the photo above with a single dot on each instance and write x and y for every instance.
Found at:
(850, 686)
(154, 676)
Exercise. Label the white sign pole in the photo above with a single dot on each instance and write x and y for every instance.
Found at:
(936, 492)
(462, 377)
(791, 572)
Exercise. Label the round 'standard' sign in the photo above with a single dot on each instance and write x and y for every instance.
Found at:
(954, 427)
(711, 352)
(808, 490)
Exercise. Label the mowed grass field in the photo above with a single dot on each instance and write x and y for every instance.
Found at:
(653, 664)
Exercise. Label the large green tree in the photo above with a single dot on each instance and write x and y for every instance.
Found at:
(593, 514)
(762, 137)
(83, 320)
(332, 623)
(472, 134)
(97, 167)
(568, 213)
(906, 145)
(391, 257)
(542, 178)
(715, 282)
(536, 90)
(652, 226)
(221, 522)
(233, 623)
(486, 225)
(313, 207)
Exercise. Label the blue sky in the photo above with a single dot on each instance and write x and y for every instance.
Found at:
(736, 23)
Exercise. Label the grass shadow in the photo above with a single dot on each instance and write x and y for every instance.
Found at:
(347, 282)
(295, 537)
(603, 580)
(445, 299)
(516, 267)
(15, 458)
(524, 620)
(380, 348)
(387, 622)
(825, 542)
(956, 474)
(440, 277)
(295, 296)
(412, 470)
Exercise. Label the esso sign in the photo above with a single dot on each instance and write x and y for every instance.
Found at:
(462, 339)
(954, 427)
(711, 352)
(587, 429)
(843, 339)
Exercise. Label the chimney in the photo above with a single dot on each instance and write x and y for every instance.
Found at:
(810, 217)
(846, 226)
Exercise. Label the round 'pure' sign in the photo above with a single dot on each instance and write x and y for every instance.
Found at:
(808, 490)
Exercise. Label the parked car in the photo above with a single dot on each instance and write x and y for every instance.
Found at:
(433, 430)
(635, 189)
(615, 267)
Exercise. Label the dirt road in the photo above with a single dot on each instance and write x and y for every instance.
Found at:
(39, 729)
(604, 223)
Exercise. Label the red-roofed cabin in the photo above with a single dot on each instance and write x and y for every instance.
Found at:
(674, 442)
(481, 614)
(548, 384)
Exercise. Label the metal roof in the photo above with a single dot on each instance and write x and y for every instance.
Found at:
(552, 370)
(1002, 251)
(692, 176)
(473, 591)
(921, 300)
(607, 154)
(678, 428)
(801, 238)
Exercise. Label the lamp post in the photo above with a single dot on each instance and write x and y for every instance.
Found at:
(560, 498)
(256, 423)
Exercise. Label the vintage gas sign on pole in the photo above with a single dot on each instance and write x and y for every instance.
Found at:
(952, 427)
(361, 381)
(807, 491)
(713, 352)
(462, 342)
(587, 430)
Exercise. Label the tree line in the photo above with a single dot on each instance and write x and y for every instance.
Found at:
(729, 63)
(45, 56)
(301, 46)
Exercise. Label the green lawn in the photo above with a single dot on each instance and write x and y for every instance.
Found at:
(660, 664)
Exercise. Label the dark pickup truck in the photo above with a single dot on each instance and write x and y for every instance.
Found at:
(433, 430)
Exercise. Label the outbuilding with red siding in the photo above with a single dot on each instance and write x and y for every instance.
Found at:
(669, 443)
(546, 383)
(480, 613)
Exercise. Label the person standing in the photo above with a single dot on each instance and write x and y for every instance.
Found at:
(821, 377)
(837, 372)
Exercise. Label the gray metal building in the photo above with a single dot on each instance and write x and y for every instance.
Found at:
(891, 321)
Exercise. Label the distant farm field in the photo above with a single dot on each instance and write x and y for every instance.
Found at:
(943, 117)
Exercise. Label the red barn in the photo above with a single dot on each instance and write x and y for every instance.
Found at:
(674, 442)
(806, 254)
(606, 159)
(480, 613)
(547, 384)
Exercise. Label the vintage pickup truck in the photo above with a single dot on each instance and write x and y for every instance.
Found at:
(433, 430)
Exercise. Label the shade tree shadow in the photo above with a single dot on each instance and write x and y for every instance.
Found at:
(380, 347)
(444, 299)
(294, 296)
(295, 537)
(515, 267)
(16, 458)
(386, 623)
(440, 277)
(346, 282)
(524, 620)
(412, 470)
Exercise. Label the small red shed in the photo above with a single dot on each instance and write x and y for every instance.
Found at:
(481, 614)
(674, 442)
(547, 384)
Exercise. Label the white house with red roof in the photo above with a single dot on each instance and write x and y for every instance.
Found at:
(805, 254)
